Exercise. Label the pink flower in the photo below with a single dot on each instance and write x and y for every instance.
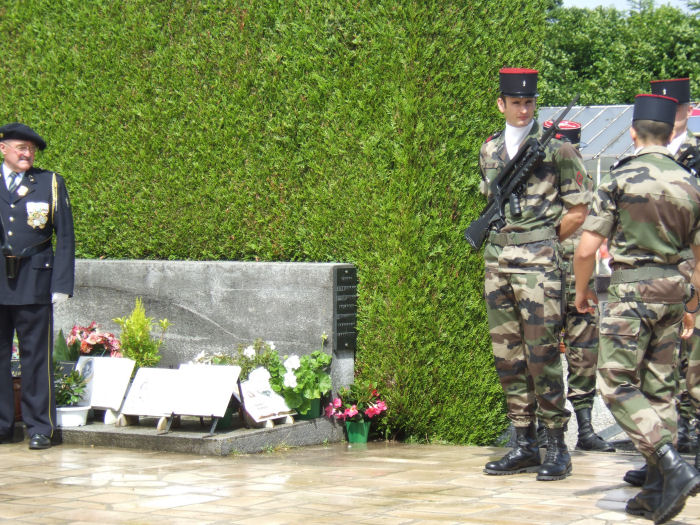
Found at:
(351, 412)
(337, 402)
(329, 410)
(381, 405)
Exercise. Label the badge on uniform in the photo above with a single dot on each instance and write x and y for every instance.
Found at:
(22, 191)
(37, 214)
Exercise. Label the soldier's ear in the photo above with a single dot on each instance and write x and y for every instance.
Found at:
(501, 104)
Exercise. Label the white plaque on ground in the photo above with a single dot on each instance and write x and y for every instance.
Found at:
(153, 392)
(260, 401)
(205, 390)
(107, 380)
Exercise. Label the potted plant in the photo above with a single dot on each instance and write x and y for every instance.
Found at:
(136, 340)
(302, 382)
(357, 406)
(69, 388)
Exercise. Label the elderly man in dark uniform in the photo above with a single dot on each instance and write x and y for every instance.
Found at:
(33, 206)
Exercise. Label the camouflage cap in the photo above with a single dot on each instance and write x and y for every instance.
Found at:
(678, 88)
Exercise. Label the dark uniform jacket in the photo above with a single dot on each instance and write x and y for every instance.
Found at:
(30, 216)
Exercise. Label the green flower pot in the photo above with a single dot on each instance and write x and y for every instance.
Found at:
(313, 412)
(357, 431)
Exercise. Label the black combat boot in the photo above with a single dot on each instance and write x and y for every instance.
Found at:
(680, 481)
(648, 500)
(557, 462)
(636, 477)
(587, 438)
(684, 441)
(525, 457)
(541, 434)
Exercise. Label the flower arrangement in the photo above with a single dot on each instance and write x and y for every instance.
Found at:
(90, 340)
(301, 380)
(359, 402)
(259, 354)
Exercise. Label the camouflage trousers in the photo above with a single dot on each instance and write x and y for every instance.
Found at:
(637, 369)
(689, 384)
(581, 340)
(524, 312)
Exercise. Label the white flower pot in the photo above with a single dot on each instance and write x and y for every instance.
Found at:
(71, 416)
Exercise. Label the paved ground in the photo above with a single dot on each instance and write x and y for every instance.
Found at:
(376, 483)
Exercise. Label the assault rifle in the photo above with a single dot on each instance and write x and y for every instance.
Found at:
(508, 185)
(691, 160)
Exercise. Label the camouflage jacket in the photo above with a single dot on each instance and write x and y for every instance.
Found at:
(556, 185)
(649, 208)
(689, 142)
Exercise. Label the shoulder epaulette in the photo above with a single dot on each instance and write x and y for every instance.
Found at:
(493, 136)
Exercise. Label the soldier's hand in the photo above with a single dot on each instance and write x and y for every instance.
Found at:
(688, 325)
(582, 301)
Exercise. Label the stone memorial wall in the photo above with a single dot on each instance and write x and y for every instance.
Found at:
(215, 306)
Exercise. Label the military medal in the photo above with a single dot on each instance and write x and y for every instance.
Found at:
(37, 214)
(22, 191)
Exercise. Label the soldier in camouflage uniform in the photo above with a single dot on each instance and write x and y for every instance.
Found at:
(580, 334)
(649, 209)
(682, 141)
(688, 404)
(523, 281)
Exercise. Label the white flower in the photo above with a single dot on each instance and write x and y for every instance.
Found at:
(260, 377)
(290, 379)
(270, 344)
(292, 363)
(249, 351)
(200, 357)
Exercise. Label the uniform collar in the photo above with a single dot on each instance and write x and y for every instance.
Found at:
(662, 150)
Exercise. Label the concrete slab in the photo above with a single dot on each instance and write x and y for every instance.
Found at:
(192, 436)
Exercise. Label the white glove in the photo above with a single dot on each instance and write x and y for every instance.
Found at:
(58, 298)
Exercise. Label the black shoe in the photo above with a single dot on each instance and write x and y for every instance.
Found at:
(685, 444)
(557, 462)
(636, 477)
(587, 438)
(39, 441)
(680, 481)
(648, 500)
(525, 457)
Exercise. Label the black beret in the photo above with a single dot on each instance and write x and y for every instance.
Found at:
(518, 82)
(19, 131)
(655, 107)
(568, 128)
(678, 88)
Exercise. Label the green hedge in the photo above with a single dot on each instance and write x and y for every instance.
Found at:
(317, 130)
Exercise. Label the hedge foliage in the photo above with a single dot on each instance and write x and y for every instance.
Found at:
(314, 130)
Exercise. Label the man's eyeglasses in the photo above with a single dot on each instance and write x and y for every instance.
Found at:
(23, 148)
